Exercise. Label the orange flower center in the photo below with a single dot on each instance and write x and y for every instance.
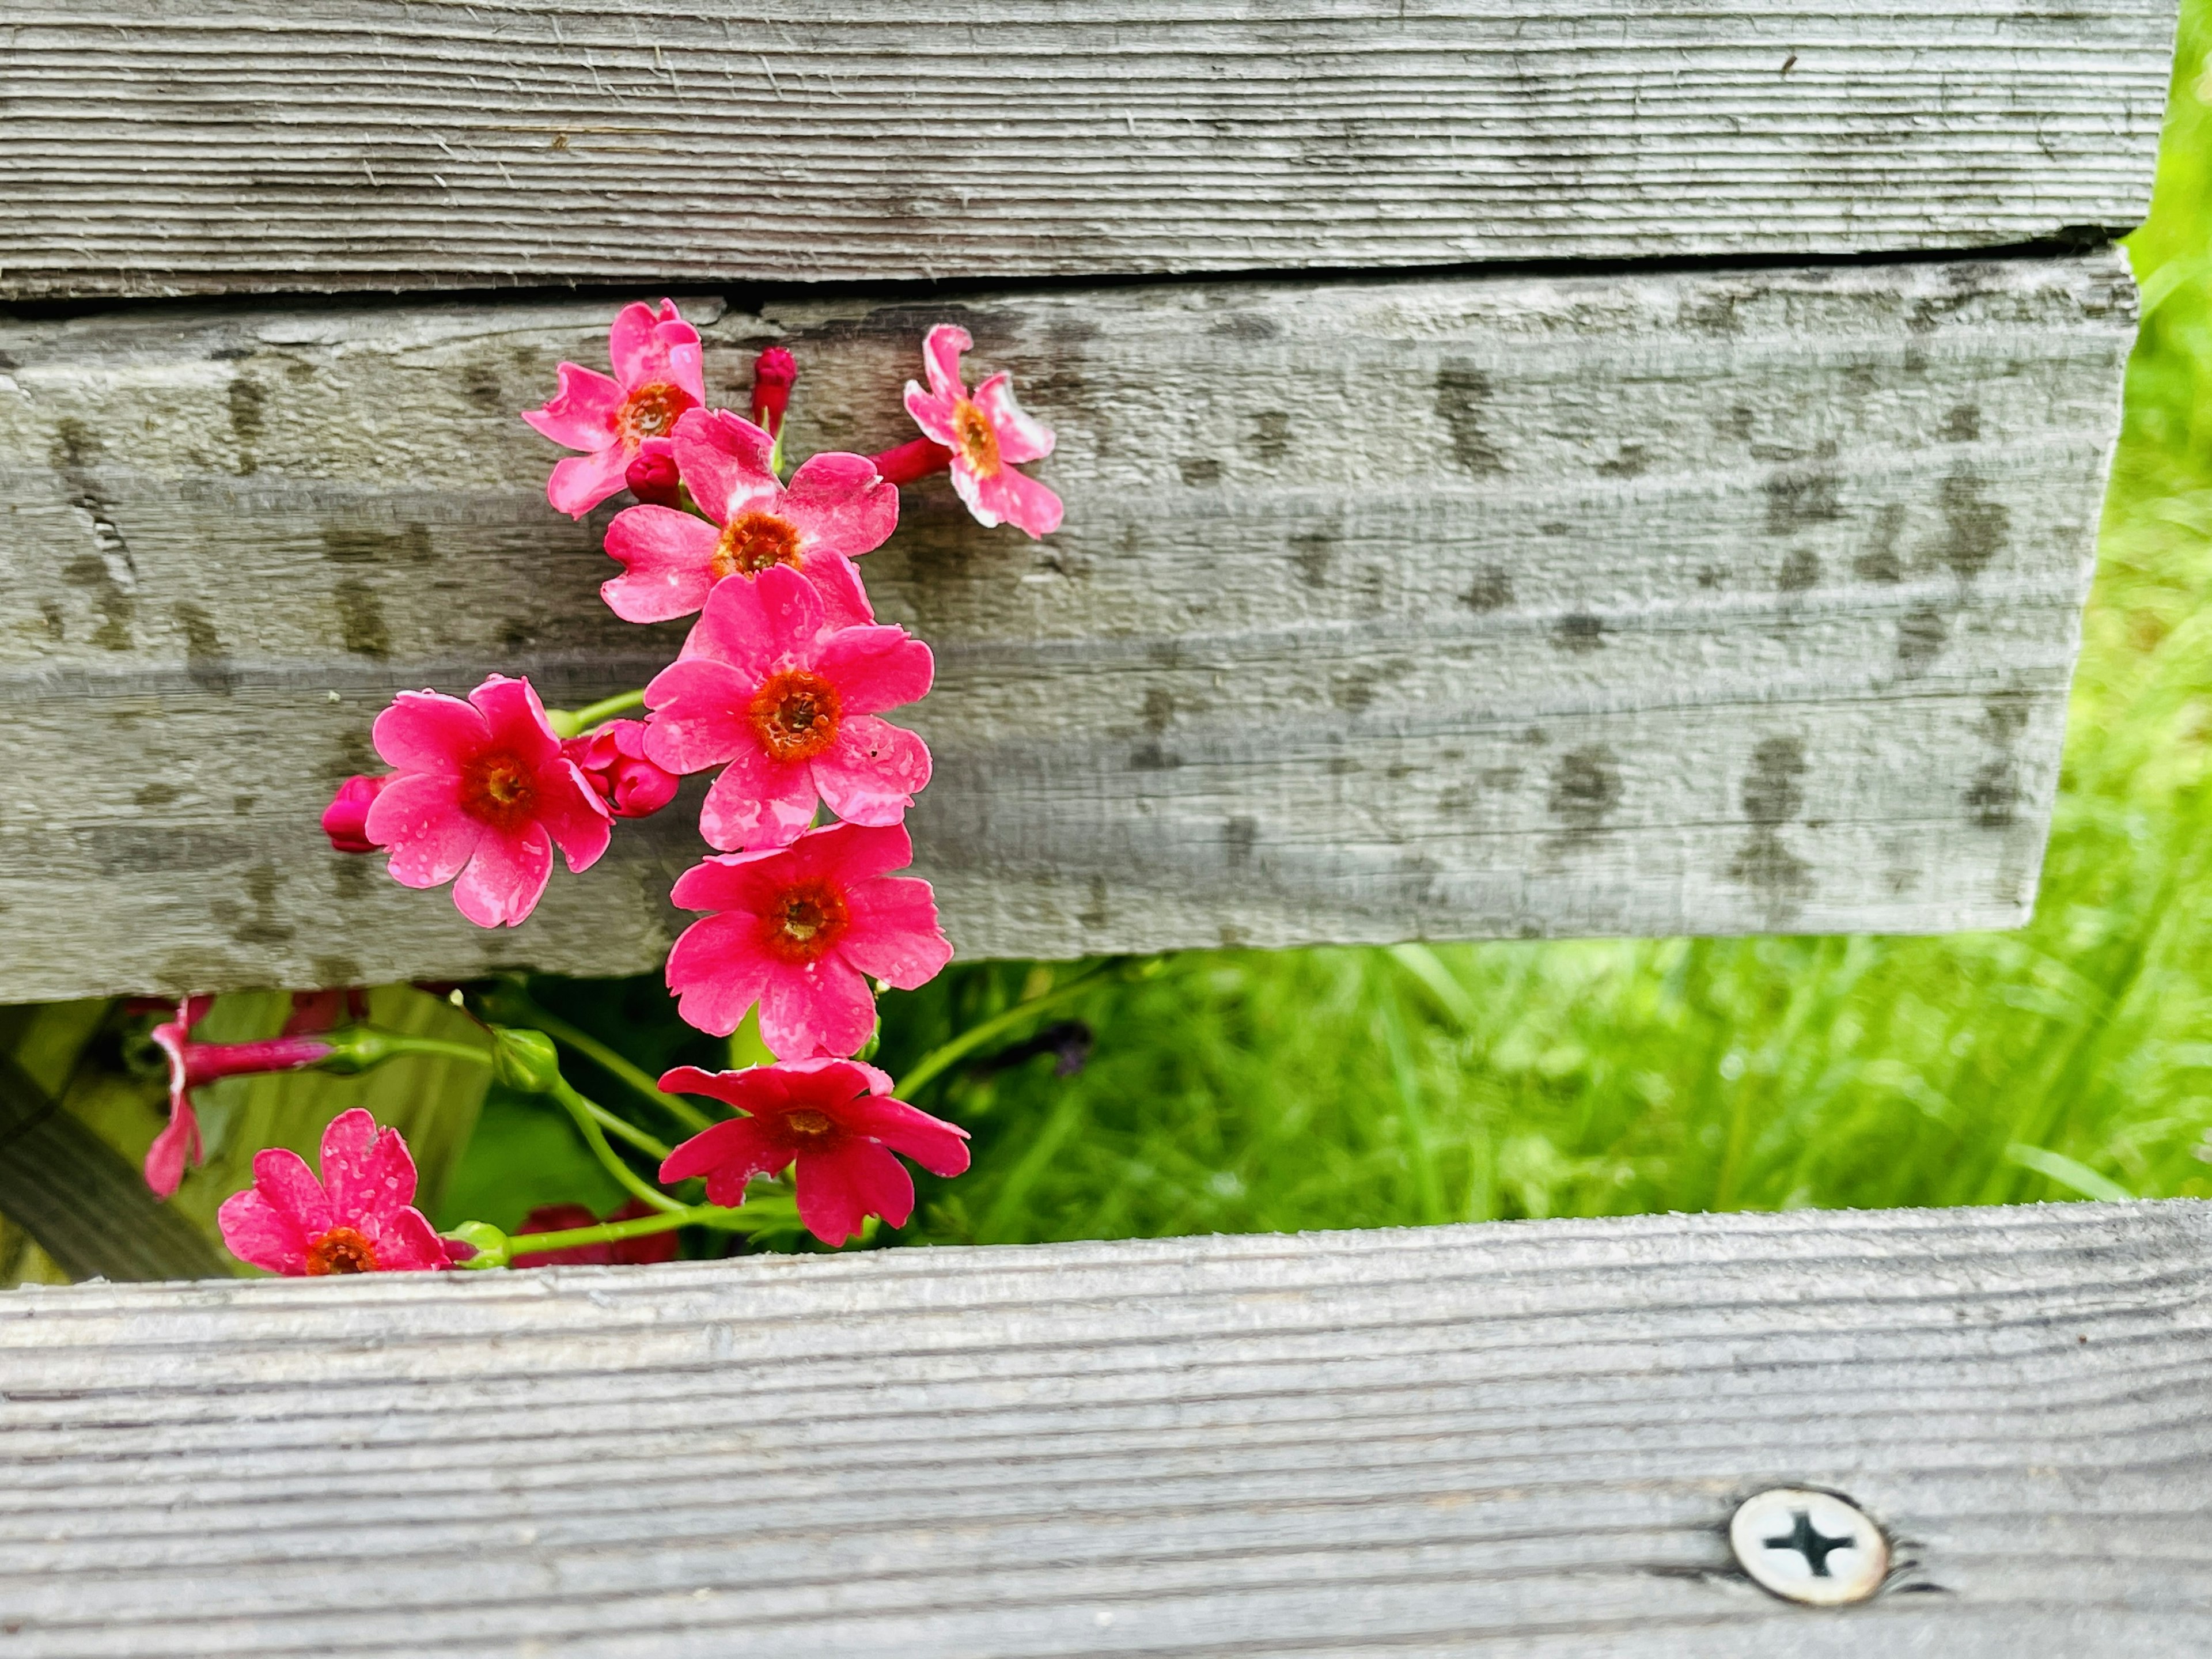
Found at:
(753, 541)
(808, 1122)
(341, 1250)
(651, 411)
(975, 438)
(498, 789)
(805, 921)
(795, 712)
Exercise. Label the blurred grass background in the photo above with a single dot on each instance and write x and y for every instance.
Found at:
(1360, 1087)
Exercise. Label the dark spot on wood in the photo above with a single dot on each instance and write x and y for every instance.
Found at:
(1201, 470)
(1096, 915)
(1463, 396)
(230, 354)
(1713, 311)
(1711, 577)
(1152, 757)
(1579, 632)
(1233, 936)
(1633, 462)
(205, 661)
(1920, 638)
(76, 445)
(49, 613)
(1244, 326)
(1963, 425)
(1069, 328)
(333, 971)
(248, 401)
(260, 924)
(1773, 794)
(1738, 423)
(1491, 590)
(1790, 63)
(1798, 496)
(156, 794)
(116, 608)
(1555, 527)
(480, 385)
(1353, 692)
(1993, 797)
(1974, 526)
(1339, 766)
(350, 544)
(240, 805)
(136, 849)
(360, 619)
(1239, 836)
(1500, 777)
(1585, 789)
(1312, 551)
(1271, 434)
(1880, 562)
(1800, 571)
(1159, 709)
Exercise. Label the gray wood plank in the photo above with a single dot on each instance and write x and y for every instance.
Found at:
(1676, 602)
(1519, 1439)
(153, 147)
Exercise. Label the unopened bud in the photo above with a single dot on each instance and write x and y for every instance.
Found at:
(774, 372)
(651, 477)
(525, 1060)
(345, 820)
(477, 1244)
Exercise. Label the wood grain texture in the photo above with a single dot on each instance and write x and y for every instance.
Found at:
(153, 147)
(1441, 608)
(1522, 1439)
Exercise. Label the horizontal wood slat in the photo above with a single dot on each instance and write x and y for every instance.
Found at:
(151, 147)
(1522, 1439)
(1438, 608)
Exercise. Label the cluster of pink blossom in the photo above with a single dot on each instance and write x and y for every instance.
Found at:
(780, 691)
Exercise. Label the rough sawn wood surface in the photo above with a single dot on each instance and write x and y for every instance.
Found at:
(1523, 1439)
(1431, 608)
(154, 146)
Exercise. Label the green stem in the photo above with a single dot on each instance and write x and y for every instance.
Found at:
(401, 1043)
(607, 1060)
(589, 1115)
(573, 722)
(925, 1069)
(613, 1232)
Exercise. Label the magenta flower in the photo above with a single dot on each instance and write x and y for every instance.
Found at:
(659, 372)
(483, 792)
(987, 436)
(835, 509)
(790, 705)
(613, 761)
(179, 1143)
(359, 1219)
(834, 1122)
(345, 820)
(799, 929)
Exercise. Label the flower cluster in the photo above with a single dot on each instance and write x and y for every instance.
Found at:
(780, 692)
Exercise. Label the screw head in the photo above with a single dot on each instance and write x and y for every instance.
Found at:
(1809, 1546)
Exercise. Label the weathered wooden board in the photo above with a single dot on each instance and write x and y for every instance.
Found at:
(153, 147)
(1523, 1439)
(1686, 602)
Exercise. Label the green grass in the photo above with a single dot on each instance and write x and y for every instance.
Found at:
(1360, 1087)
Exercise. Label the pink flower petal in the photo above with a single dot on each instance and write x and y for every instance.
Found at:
(420, 820)
(1007, 497)
(285, 1183)
(875, 668)
(839, 505)
(1020, 437)
(667, 559)
(872, 773)
(177, 1145)
(849, 852)
(793, 611)
(573, 815)
(430, 732)
(724, 458)
(844, 600)
(717, 971)
(254, 1230)
(758, 802)
(503, 880)
(940, 358)
(933, 415)
(581, 414)
(732, 881)
(840, 1186)
(516, 719)
(366, 1171)
(582, 482)
(822, 1008)
(893, 934)
(405, 1242)
(729, 1155)
(939, 1147)
(699, 712)
(741, 621)
(643, 344)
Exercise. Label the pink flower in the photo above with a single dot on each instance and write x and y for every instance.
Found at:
(345, 820)
(835, 510)
(988, 435)
(659, 372)
(559, 1218)
(612, 759)
(835, 1121)
(791, 705)
(359, 1219)
(799, 929)
(180, 1143)
(483, 792)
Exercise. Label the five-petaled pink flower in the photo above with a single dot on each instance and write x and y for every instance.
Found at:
(612, 759)
(799, 929)
(659, 372)
(835, 509)
(790, 704)
(359, 1219)
(483, 793)
(987, 436)
(835, 1121)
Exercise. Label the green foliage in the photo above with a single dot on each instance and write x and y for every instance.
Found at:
(1241, 1092)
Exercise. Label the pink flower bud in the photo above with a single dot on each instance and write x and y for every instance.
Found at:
(613, 762)
(773, 371)
(345, 820)
(651, 477)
